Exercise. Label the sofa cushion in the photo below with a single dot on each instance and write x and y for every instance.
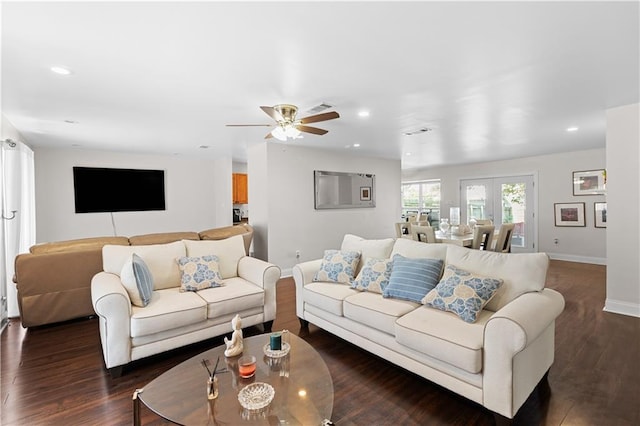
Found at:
(137, 280)
(412, 279)
(375, 311)
(417, 249)
(443, 336)
(168, 309)
(160, 258)
(229, 251)
(327, 296)
(338, 266)
(521, 272)
(463, 293)
(198, 273)
(162, 238)
(374, 275)
(82, 244)
(236, 295)
(379, 249)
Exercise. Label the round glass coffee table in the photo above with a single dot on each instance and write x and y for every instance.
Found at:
(301, 380)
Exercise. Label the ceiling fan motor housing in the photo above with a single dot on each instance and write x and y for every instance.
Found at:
(287, 111)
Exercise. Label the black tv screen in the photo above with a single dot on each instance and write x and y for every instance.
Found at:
(117, 190)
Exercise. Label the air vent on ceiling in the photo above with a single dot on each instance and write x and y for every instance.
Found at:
(319, 108)
(418, 131)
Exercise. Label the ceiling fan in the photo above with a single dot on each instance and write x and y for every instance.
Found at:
(287, 125)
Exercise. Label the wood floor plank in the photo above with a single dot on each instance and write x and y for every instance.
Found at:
(55, 375)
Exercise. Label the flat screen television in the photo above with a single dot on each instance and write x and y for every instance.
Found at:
(99, 189)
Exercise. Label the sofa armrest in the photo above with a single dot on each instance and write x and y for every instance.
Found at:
(262, 274)
(113, 306)
(303, 274)
(519, 349)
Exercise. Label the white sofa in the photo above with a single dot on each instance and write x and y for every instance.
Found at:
(496, 361)
(175, 318)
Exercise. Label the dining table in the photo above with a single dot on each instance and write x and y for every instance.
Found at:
(465, 240)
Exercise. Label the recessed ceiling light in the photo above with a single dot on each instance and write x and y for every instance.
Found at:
(61, 70)
(363, 114)
(408, 154)
(356, 145)
(572, 129)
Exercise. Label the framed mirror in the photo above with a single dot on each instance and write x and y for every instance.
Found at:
(343, 190)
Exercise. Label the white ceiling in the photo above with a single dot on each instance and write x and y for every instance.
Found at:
(492, 80)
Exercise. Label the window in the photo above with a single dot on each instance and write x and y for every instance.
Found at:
(422, 197)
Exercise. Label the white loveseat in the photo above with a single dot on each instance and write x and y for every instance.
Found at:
(175, 318)
(496, 361)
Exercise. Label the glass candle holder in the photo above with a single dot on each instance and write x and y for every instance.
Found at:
(212, 387)
(247, 366)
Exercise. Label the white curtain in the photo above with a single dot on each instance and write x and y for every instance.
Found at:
(18, 230)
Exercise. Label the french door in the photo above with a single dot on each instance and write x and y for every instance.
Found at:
(503, 200)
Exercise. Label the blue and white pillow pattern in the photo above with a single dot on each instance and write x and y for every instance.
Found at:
(374, 275)
(137, 280)
(338, 266)
(412, 279)
(463, 293)
(198, 273)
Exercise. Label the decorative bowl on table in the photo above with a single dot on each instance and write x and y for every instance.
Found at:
(256, 396)
(277, 353)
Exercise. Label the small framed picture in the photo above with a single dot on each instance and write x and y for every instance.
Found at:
(365, 193)
(600, 215)
(569, 214)
(589, 182)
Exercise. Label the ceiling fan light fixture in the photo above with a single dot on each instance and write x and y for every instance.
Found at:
(279, 133)
(292, 132)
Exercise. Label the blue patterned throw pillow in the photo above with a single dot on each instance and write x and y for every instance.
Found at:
(411, 279)
(374, 275)
(463, 293)
(198, 273)
(338, 266)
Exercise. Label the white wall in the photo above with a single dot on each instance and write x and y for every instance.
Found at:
(281, 177)
(623, 205)
(554, 185)
(192, 188)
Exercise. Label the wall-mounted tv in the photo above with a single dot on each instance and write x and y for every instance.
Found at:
(99, 189)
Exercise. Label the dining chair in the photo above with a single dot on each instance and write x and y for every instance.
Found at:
(412, 217)
(503, 241)
(423, 233)
(481, 222)
(482, 236)
(401, 227)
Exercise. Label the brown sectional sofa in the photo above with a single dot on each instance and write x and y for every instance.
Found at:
(53, 280)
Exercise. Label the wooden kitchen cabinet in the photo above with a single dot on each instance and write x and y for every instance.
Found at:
(240, 189)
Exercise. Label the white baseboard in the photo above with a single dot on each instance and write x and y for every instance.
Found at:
(579, 259)
(624, 308)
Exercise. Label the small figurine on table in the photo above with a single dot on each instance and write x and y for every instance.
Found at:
(234, 346)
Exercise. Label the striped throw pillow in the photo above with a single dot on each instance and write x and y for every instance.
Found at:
(412, 279)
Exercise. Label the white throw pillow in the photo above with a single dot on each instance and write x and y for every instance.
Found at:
(229, 251)
(377, 249)
(160, 259)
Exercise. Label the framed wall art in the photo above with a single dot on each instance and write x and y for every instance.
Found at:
(569, 214)
(600, 215)
(365, 193)
(589, 182)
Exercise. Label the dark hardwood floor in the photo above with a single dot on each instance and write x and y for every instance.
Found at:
(55, 374)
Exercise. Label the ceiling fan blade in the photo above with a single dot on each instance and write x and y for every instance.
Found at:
(309, 129)
(271, 112)
(319, 117)
(269, 135)
(248, 125)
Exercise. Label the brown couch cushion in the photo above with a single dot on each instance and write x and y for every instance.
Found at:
(80, 244)
(229, 231)
(162, 238)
